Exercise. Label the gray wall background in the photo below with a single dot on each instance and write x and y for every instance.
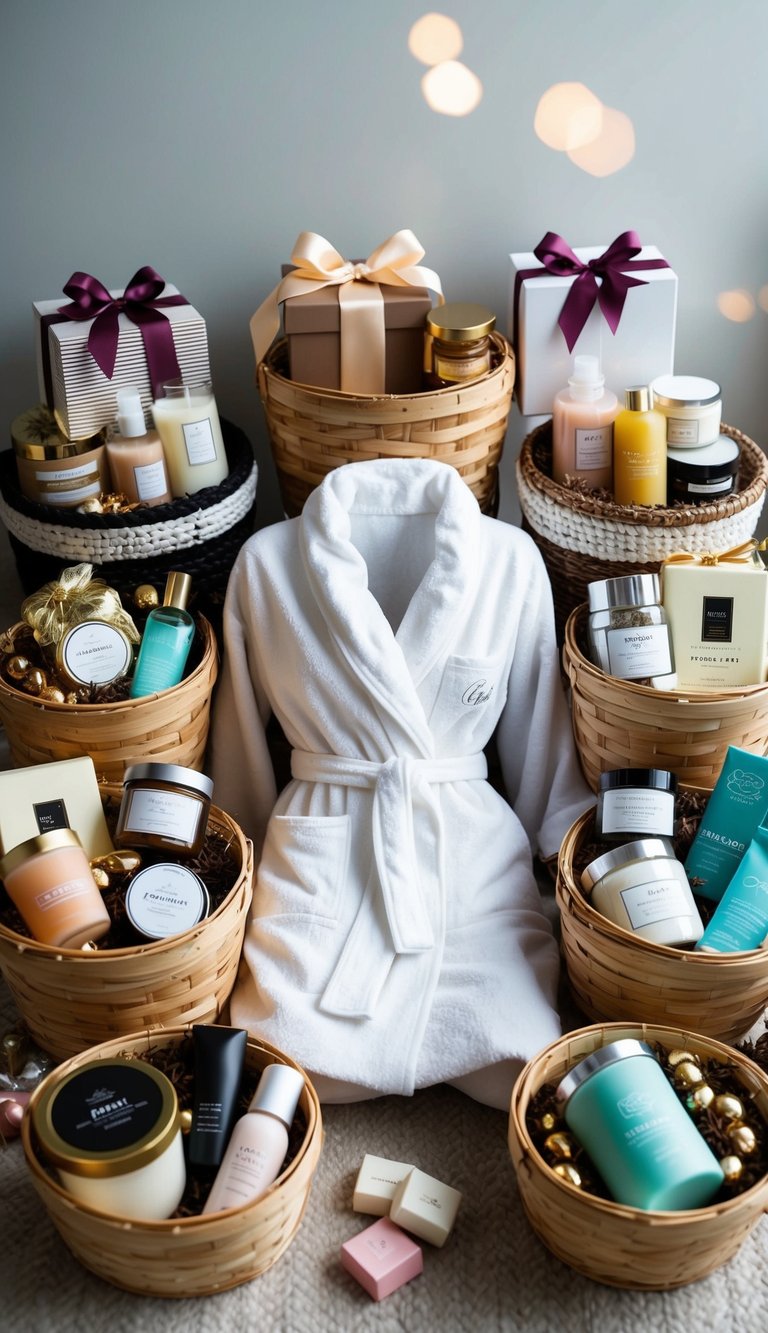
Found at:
(201, 138)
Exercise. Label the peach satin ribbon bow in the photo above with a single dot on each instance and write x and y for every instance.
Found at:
(361, 303)
(736, 555)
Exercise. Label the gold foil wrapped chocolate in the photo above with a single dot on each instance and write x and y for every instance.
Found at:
(728, 1106)
(146, 597)
(742, 1138)
(72, 598)
(566, 1171)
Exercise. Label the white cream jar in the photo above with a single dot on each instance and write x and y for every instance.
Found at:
(692, 407)
(643, 888)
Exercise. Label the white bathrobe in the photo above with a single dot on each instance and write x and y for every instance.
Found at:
(397, 937)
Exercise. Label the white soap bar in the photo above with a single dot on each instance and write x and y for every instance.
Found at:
(425, 1206)
(376, 1183)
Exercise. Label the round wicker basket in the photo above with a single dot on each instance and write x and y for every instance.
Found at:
(169, 727)
(71, 1000)
(190, 1256)
(619, 724)
(584, 538)
(610, 1242)
(614, 974)
(314, 430)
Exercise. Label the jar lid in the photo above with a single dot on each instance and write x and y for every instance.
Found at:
(658, 778)
(623, 1049)
(718, 459)
(460, 321)
(166, 899)
(642, 849)
(684, 391)
(42, 842)
(627, 590)
(106, 1117)
(174, 773)
(35, 434)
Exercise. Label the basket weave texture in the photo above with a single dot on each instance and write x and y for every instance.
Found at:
(169, 727)
(314, 430)
(71, 1000)
(614, 974)
(190, 1256)
(620, 724)
(200, 534)
(583, 538)
(610, 1242)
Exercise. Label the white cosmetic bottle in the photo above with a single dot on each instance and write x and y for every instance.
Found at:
(136, 457)
(259, 1141)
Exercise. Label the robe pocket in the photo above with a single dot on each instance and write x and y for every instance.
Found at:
(470, 690)
(304, 865)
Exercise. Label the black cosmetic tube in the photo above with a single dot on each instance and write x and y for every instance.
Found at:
(219, 1059)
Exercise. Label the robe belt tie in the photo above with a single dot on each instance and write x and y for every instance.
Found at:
(357, 980)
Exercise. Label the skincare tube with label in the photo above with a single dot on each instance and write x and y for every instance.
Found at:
(737, 805)
(740, 921)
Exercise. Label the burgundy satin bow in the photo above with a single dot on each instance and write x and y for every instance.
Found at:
(141, 302)
(558, 258)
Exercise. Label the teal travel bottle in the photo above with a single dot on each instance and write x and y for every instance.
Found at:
(622, 1109)
(166, 642)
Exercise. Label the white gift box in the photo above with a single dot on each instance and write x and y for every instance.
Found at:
(642, 347)
(83, 398)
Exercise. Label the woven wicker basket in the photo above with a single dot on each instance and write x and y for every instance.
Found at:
(200, 534)
(614, 974)
(610, 1242)
(619, 724)
(191, 1256)
(314, 430)
(583, 538)
(71, 1000)
(170, 727)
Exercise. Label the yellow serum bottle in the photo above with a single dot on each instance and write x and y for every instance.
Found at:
(639, 451)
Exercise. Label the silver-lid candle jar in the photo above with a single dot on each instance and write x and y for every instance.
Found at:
(628, 632)
(642, 887)
(164, 807)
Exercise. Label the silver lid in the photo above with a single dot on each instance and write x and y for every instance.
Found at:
(176, 773)
(642, 849)
(629, 590)
(622, 1049)
(278, 1092)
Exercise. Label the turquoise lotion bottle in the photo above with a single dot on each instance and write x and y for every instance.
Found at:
(167, 639)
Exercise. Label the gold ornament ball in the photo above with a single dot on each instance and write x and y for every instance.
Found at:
(548, 1121)
(90, 946)
(566, 1171)
(146, 597)
(72, 697)
(677, 1057)
(100, 878)
(17, 667)
(688, 1074)
(34, 681)
(732, 1168)
(185, 1121)
(728, 1106)
(52, 694)
(742, 1138)
(701, 1098)
(559, 1145)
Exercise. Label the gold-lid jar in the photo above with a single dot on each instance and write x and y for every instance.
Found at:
(458, 343)
(52, 469)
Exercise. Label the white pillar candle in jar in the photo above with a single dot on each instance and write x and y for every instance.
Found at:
(187, 422)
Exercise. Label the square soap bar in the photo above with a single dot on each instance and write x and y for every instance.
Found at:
(382, 1258)
(376, 1183)
(425, 1206)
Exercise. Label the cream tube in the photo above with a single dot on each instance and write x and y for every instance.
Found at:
(219, 1058)
(740, 921)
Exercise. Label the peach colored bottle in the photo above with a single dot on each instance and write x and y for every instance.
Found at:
(582, 426)
(257, 1147)
(136, 458)
(49, 880)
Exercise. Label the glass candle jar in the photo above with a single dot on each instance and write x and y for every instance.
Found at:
(692, 408)
(621, 1107)
(187, 421)
(49, 880)
(641, 886)
(699, 476)
(52, 469)
(460, 343)
(164, 807)
(628, 631)
(636, 803)
(111, 1129)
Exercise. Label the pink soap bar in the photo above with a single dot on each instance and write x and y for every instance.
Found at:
(382, 1258)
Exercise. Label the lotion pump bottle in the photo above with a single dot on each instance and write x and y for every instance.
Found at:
(259, 1141)
(166, 642)
(136, 458)
(582, 426)
(640, 451)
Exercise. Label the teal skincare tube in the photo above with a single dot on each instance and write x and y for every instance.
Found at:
(621, 1107)
(741, 917)
(735, 808)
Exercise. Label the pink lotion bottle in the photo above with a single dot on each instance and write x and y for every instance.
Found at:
(259, 1141)
(136, 457)
(582, 426)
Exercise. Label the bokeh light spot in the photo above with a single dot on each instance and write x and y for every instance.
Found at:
(568, 116)
(451, 88)
(434, 38)
(762, 297)
(613, 148)
(737, 305)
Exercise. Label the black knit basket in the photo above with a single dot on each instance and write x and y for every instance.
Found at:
(200, 534)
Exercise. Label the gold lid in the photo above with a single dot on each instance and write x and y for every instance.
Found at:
(35, 434)
(638, 398)
(460, 322)
(42, 842)
(62, 1117)
(178, 586)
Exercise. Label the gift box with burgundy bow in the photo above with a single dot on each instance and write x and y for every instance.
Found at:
(618, 303)
(101, 340)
